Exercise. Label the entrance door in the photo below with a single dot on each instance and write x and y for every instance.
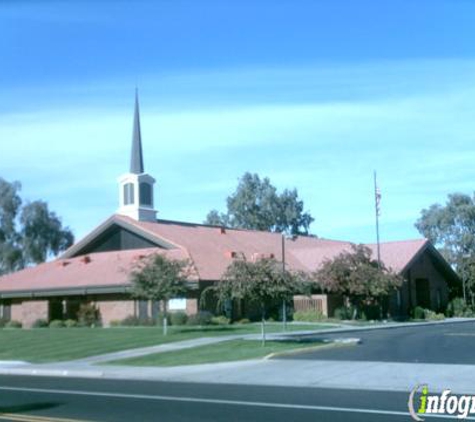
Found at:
(423, 293)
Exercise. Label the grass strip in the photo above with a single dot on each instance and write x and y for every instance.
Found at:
(232, 350)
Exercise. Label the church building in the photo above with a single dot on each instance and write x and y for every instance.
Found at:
(96, 269)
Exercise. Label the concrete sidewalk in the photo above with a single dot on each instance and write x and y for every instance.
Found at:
(381, 376)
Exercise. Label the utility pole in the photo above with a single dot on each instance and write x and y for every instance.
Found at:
(284, 304)
(377, 200)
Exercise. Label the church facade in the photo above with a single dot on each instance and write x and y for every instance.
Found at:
(96, 269)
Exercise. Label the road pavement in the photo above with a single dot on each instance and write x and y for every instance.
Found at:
(434, 344)
(39, 399)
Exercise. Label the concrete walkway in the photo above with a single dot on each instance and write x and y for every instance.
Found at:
(142, 351)
(288, 372)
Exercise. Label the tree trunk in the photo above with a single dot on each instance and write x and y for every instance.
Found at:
(165, 319)
(284, 315)
(263, 326)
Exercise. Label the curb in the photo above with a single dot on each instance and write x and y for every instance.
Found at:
(378, 327)
(329, 345)
(58, 373)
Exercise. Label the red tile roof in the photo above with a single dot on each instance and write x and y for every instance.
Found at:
(211, 250)
(97, 269)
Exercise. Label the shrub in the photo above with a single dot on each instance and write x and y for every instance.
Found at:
(88, 315)
(433, 316)
(133, 321)
(70, 323)
(419, 313)
(344, 312)
(3, 322)
(220, 320)
(56, 323)
(130, 321)
(458, 308)
(115, 323)
(201, 318)
(178, 318)
(371, 312)
(13, 324)
(308, 316)
(148, 322)
(40, 323)
(243, 321)
(159, 320)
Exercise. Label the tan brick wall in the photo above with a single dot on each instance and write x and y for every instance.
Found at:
(191, 306)
(31, 310)
(17, 311)
(114, 310)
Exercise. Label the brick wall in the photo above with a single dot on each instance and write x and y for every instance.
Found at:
(191, 306)
(28, 311)
(111, 310)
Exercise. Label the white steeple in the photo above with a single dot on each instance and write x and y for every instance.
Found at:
(136, 187)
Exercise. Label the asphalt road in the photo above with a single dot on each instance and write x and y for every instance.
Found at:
(445, 344)
(35, 399)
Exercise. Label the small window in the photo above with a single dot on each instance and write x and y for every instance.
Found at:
(145, 194)
(128, 194)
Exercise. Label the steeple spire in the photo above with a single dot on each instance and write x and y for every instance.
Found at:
(136, 157)
(136, 196)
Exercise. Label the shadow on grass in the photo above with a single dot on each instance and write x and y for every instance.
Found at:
(28, 407)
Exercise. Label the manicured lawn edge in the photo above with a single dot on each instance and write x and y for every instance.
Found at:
(226, 351)
(300, 350)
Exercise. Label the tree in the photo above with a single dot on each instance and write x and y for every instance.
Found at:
(451, 227)
(42, 232)
(358, 277)
(256, 205)
(10, 202)
(158, 278)
(29, 234)
(262, 282)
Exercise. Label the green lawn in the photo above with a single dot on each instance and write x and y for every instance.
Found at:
(60, 344)
(221, 352)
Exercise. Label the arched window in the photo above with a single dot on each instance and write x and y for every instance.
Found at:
(145, 196)
(128, 193)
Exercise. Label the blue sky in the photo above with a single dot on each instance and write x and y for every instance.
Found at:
(313, 94)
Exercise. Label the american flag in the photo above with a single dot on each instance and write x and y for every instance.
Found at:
(377, 197)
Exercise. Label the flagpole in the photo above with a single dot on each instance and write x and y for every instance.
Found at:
(377, 197)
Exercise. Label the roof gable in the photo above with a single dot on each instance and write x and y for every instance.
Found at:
(114, 233)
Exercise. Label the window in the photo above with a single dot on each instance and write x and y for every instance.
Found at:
(155, 309)
(128, 194)
(145, 194)
(5, 310)
(143, 309)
